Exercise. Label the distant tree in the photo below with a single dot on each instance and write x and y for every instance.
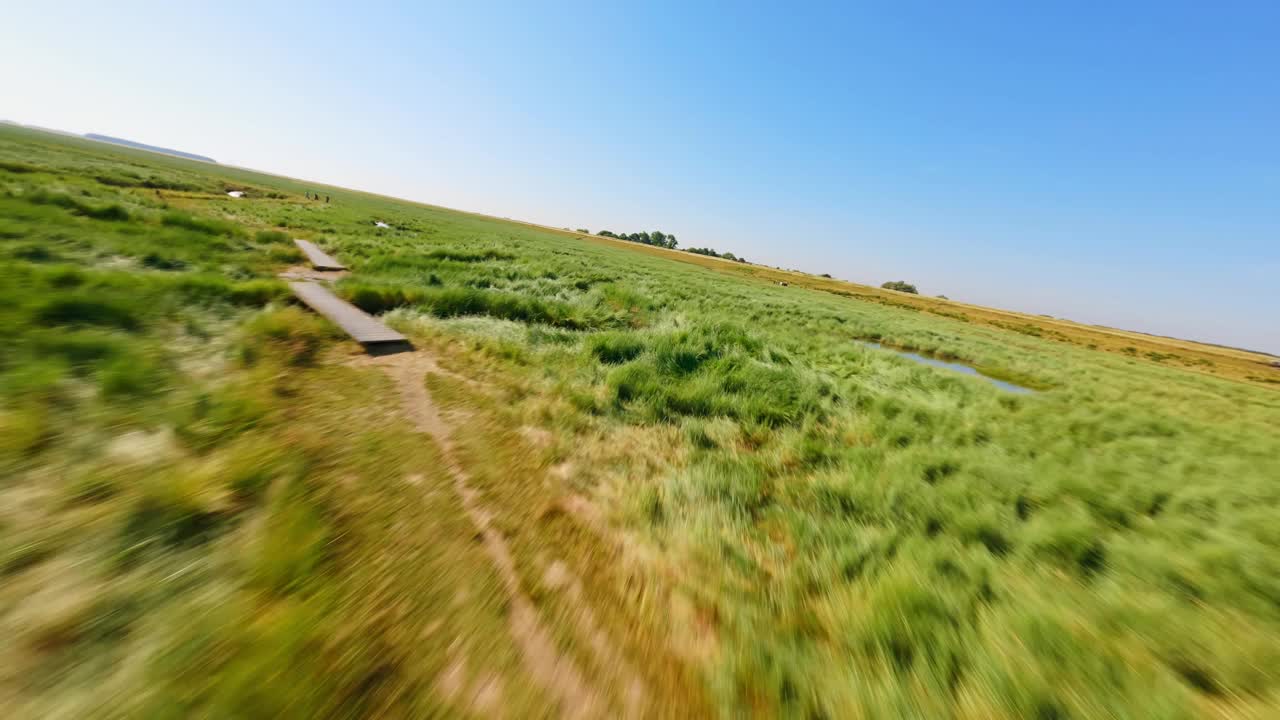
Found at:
(729, 256)
(901, 286)
(943, 297)
(584, 231)
(657, 238)
(826, 275)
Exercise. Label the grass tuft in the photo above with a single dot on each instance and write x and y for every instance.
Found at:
(288, 335)
(206, 226)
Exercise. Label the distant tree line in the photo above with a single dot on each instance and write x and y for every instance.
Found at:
(713, 253)
(657, 238)
(901, 286)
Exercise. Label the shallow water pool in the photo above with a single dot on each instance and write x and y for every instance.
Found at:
(957, 367)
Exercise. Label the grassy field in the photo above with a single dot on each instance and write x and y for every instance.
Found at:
(612, 480)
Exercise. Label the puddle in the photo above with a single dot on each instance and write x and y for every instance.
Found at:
(957, 367)
(236, 193)
(381, 224)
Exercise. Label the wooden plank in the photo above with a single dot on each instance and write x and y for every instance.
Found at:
(364, 328)
(317, 257)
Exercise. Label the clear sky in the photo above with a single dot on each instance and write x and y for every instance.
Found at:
(1115, 163)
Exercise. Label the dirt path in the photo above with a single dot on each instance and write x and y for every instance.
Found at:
(305, 272)
(555, 672)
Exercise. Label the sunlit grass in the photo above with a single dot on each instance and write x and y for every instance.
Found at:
(206, 512)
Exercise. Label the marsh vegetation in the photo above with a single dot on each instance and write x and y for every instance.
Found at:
(212, 507)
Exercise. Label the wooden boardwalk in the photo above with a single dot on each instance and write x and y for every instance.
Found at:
(363, 327)
(317, 257)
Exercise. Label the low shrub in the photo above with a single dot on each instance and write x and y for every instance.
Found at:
(901, 286)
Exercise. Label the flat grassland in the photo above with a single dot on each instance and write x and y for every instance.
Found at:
(611, 480)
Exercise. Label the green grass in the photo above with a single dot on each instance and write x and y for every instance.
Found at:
(786, 523)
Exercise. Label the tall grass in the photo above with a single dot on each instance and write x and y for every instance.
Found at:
(208, 226)
(452, 302)
(765, 517)
(112, 212)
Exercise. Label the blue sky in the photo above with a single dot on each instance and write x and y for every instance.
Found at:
(1115, 163)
